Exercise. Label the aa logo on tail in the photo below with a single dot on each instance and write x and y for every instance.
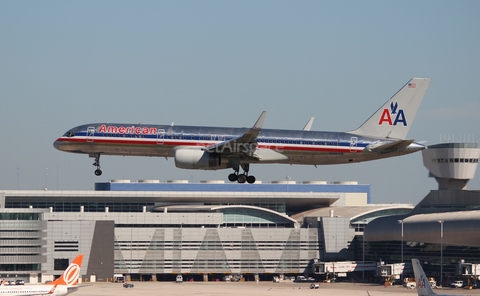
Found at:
(422, 282)
(393, 116)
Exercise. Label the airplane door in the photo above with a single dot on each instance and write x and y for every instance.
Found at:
(160, 136)
(353, 144)
(90, 133)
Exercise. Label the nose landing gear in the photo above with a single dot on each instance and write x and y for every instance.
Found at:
(98, 171)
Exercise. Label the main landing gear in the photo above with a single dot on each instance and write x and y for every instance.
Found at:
(241, 178)
(98, 171)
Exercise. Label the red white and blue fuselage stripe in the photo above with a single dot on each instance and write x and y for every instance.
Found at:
(301, 147)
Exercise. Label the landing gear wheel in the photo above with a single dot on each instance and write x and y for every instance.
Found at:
(232, 177)
(98, 171)
(242, 178)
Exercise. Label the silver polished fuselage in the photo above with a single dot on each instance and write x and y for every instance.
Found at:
(296, 147)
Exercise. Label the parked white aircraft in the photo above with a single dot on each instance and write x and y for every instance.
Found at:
(211, 148)
(65, 284)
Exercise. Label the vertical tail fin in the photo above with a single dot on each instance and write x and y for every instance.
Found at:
(423, 286)
(395, 117)
(70, 276)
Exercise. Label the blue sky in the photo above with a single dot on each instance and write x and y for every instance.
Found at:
(221, 63)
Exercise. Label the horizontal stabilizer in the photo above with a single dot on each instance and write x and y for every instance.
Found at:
(382, 147)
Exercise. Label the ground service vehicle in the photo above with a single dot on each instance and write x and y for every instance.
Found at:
(179, 279)
(127, 285)
(456, 284)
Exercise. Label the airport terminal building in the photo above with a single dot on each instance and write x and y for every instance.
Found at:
(152, 230)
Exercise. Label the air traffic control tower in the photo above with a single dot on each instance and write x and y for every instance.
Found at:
(443, 227)
(451, 164)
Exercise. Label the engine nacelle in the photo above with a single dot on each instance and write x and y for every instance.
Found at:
(197, 159)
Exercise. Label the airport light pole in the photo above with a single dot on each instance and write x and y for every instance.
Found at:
(335, 259)
(288, 181)
(401, 223)
(363, 248)
(131, 252)
(441, 250)
(46, 178)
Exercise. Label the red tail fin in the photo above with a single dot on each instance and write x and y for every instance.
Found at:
(70, 275)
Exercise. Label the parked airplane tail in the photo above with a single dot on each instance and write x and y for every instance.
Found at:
(70, 276)
(423, 286)
(395, 117)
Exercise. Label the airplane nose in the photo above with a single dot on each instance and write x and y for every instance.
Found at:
(57, 144)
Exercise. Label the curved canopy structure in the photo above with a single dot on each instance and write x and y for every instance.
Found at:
(236, 214)
(459, 228)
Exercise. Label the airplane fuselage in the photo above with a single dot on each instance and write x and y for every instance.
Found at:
(283, 146)
(33, 290)
(211, 148)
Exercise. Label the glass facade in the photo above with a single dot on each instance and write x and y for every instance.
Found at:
(226, 250)
(391, 252)
(19, 216)
(22, 243)
(122, 207)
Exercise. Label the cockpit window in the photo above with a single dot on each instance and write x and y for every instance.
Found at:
(69, 134)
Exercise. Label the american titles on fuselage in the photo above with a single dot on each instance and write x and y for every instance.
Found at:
(135, 130)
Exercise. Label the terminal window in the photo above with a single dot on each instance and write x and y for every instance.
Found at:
(60, 264)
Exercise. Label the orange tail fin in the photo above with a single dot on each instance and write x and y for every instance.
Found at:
(70, 276)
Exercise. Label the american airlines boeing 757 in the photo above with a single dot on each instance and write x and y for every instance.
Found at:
(383, 135)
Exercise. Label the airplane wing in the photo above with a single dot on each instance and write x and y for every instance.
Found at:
(243, 145)
(382, 147)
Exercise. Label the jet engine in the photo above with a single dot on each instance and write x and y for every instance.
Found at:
(197, 159)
